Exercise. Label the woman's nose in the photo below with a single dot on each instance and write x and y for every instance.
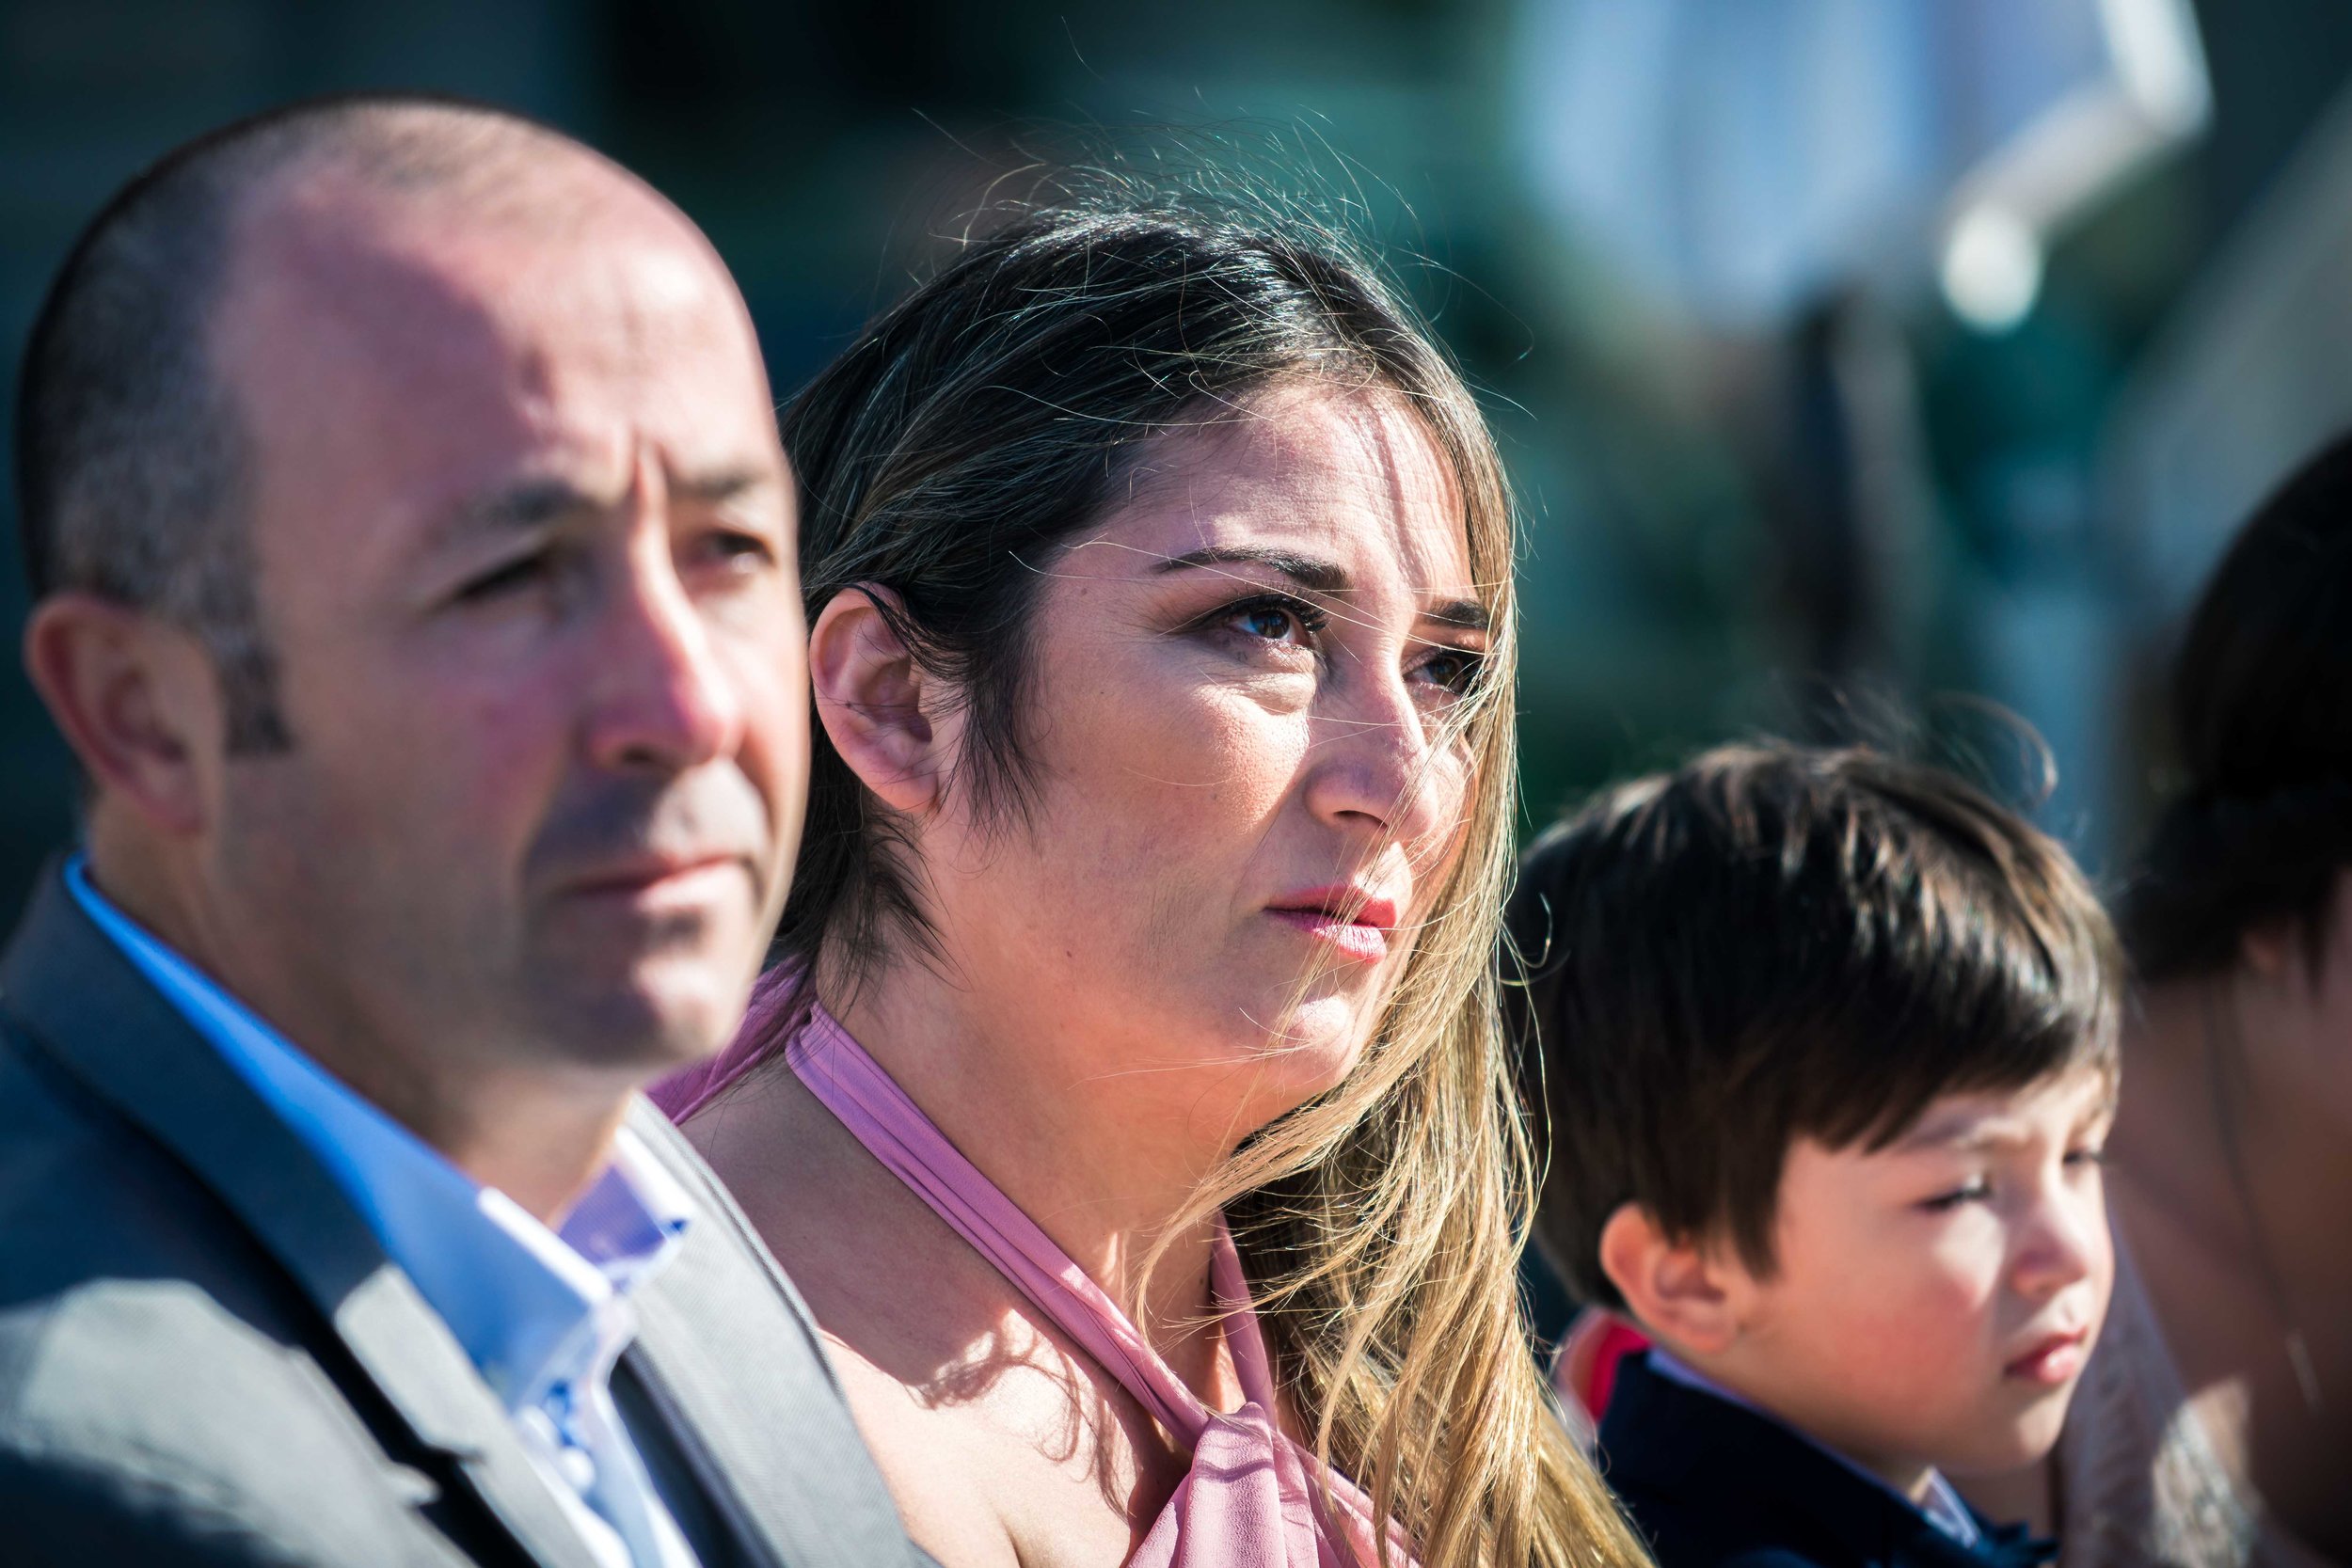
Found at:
(1375, 767)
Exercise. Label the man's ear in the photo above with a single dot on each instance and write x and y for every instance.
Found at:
(138, 701)
(1681, 1290)
(875, 699)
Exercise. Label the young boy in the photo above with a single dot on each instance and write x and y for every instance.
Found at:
(1825, 1042)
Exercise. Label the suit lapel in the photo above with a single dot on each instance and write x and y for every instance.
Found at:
(726, 1346)
(85, 1004)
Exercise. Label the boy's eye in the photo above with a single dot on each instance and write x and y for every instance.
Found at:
(1975, 1190)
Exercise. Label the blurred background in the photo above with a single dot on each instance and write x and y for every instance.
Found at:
(1854, 359)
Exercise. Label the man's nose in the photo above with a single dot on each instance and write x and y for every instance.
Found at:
(663, 698)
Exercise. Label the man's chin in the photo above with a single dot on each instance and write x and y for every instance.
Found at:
(653, 1022)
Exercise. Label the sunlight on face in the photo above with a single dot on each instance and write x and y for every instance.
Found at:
(1934, 1302)
(525, 540)
(1246, 689)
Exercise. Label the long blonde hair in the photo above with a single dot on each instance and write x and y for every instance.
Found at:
(966, 435)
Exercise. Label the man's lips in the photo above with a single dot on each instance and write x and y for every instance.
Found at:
(2052, 1359)
(655, 876)
(1357, 924)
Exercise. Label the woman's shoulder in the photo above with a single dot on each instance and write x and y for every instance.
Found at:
(1005, 1447)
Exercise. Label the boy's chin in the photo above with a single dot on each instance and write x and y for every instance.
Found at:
(2023, 1439)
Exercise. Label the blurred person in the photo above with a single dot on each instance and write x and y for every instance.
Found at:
(1130, 1101)
(2214, 1425)
(1824, 1043)
(412, 554)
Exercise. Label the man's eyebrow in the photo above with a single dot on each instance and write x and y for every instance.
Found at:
(720, 486)
(1321, 577)
(515, 508)
(535, 503)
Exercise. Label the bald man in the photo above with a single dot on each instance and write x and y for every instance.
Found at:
(412, 554)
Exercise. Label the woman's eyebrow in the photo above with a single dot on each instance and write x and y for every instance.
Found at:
(1322, 577)
(1461, 614)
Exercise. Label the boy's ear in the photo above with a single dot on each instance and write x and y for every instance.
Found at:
(1681, 1290)
(871, 697)
(2269, 949)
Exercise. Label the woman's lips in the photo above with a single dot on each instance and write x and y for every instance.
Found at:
(1352, 938)
(2051, 1360)
(1357, 925)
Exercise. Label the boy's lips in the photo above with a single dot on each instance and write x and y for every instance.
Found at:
(2052, 1359)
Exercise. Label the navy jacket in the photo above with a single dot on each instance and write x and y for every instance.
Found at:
(1712, 1485)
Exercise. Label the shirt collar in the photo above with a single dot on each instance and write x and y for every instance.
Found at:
(1941, 1504)
(529, 1306)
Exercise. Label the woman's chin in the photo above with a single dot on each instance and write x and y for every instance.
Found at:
(1312, 1047)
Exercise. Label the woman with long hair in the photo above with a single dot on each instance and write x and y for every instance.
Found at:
(2211, 1428)
(1128, 1098)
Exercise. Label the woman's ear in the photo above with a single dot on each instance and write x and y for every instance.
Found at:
(137, 702)
(1681, 1290)
(871, 696)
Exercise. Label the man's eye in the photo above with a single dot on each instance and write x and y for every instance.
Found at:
(729, 545)
(1971, 1192)
(516, 573)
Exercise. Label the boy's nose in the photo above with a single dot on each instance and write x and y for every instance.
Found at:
(2065, 1242)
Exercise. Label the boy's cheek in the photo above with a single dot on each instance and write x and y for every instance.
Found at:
(1909, 1313)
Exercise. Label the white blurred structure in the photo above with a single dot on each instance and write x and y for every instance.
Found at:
(1743, 157)
(2251, 376)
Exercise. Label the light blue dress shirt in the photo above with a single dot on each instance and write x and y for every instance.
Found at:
(1942, 1504)
(544, 1314)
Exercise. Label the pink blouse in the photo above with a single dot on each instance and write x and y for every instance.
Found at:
(1253, 1495)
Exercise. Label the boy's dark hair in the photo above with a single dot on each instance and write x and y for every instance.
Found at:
(1774, 942)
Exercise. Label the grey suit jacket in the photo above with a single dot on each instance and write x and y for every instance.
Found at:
(205, 1357)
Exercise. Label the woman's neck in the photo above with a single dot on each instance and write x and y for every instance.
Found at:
(1068, 1149)
(2216, 1128)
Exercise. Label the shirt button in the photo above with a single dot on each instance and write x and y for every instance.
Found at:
(579, 1469)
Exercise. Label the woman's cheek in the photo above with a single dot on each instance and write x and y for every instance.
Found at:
(1246, 754)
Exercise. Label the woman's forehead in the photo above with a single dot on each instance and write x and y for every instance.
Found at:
(1352, 477)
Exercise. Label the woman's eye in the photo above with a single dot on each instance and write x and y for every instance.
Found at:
(1455, 669)
(1272, 624)
(1971, 1192)
(1286, 621)
(2089, 1157)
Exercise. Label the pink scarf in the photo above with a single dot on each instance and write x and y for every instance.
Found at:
(1251, 1500)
